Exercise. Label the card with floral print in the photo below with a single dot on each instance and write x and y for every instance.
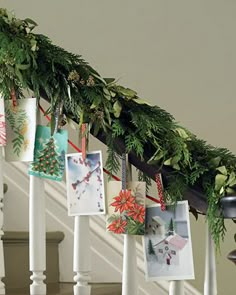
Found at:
(2, 123)
(85, 184)
(126, 208)
(20, 129)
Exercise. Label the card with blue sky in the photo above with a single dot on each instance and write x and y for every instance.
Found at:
(49, 153)
(20, 129)
(167, 243)
(85, 184)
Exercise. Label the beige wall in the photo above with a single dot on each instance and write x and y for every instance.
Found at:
(179, 55)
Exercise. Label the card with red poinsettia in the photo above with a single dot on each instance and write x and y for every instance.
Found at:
(2, 123)
(126, 208)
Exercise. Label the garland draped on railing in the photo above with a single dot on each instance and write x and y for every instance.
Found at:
(30, 61)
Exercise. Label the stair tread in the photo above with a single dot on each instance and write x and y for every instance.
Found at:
(97, 289)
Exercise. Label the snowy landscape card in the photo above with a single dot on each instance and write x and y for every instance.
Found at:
(20, 129)
(126, 208)
(85, 184)
(49, 153)
(2, 123)
(167, 243)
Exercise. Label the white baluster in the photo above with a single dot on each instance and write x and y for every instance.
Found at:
(210, 283)
(37, 236)
(82, 256)
(176, 288)
(2, 265)
(129, 275)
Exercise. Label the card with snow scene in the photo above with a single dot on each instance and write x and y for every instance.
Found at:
(85, 184)
(126, 208)
(167, 243)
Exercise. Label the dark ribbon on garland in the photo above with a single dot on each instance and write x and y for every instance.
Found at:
(105, 170)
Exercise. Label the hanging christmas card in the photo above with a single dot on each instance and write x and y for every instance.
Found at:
(2, 123)
(85, 184)
(126, 208)
(167, 243)
(49, 153)
(20, 129)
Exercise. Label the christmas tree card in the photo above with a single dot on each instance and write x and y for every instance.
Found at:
(49, 153)
(20, 129)
(2, 123)
(85, 184)
(126, 208)
(167, 243)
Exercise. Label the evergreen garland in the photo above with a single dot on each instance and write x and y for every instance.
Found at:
(30, 61)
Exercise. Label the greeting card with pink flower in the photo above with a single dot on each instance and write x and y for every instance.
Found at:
(126, 208)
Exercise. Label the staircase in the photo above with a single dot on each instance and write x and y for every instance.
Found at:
(107, 249)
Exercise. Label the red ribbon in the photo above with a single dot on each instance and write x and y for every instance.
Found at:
(105, 170)
(13, 97)
(83, 141)
(160, 191)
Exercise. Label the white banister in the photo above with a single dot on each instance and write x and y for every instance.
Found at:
(176, 288)
(210, 283)
(82, 256)
(2, 265)
(37, 236)
(129, 274)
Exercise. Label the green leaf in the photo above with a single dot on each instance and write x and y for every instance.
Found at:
(222, 170)
(220, 180)
(182, 133)
(141, 101)
(215, 162)
(159, 154)
(31, 22)
(117, 107)
(232, 179)
(109, 80)
(22, 66)
(168, 162)
(230, 191)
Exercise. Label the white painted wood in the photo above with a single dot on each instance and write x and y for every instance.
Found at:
(2, 265)
(37, 236)
(106, 252)
(176, 288)
(129, 274)
(82, 256)
(210, 282)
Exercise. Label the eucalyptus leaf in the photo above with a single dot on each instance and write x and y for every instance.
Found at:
(31, 22)
(141, 101)
(22, 66)
(220, 180)
(182, 133)
(222, 170)
(215, 162)
(232, 179)
(230, 191)
(117, 107)
(168, 162)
